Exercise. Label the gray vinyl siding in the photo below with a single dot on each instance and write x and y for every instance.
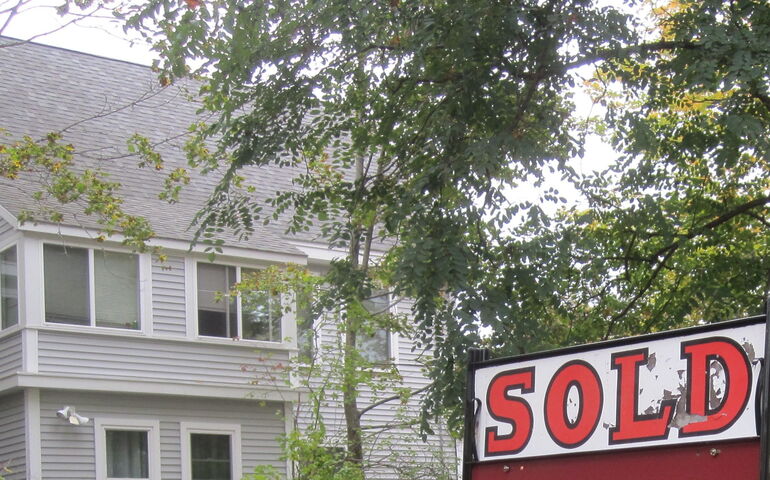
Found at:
(392, 453)
(168, 297)
(123, 357)
(6, 230)
(68, 451)
(10, 355)
(12, 436)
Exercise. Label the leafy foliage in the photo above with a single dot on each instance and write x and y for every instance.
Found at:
(411, 125)
(59, 181)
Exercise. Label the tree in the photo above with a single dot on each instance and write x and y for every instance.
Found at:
(675, 232)
(410, 122)
(412, 119)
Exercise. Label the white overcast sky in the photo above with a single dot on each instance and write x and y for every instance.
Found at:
(101, 36)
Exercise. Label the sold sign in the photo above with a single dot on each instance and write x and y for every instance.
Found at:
(678, 387)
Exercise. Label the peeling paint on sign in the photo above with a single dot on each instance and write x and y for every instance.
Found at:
(680, 389)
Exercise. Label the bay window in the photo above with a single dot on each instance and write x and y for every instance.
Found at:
(254, 315)
(84, 286)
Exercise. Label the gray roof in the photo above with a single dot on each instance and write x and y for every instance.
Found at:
(99, 103)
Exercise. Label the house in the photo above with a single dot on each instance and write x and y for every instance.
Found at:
(147, 351)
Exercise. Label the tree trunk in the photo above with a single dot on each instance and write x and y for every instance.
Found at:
(355, 453)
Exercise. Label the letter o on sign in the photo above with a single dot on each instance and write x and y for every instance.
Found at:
(580, 375)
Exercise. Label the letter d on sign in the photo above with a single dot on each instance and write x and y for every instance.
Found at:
(700, 355)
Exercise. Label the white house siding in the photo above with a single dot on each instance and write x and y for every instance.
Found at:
(10, 355)
(68, 450)
(123, 357)
(168, 297)
(12, 437)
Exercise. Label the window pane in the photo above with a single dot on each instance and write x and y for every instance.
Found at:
(375, 348)
(261, 314)
(9, 297)
(216, 309)
(210, 456)
(116, 282)
(127, 454)
(66, 285)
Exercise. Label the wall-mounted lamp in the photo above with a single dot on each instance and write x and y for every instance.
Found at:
(69, 415)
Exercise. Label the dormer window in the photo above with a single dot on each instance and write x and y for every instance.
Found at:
(254, 315)
(84, 286)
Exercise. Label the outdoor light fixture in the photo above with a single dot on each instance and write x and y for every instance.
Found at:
(68, 414)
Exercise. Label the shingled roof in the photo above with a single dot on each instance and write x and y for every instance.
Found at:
(98, 103)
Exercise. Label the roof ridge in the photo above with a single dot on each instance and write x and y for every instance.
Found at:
(70, 50)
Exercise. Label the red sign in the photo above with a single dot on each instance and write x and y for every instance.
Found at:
(674, 389)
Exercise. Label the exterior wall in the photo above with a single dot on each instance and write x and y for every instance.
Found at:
(68, 450)
(394, 452)
(6, 230)
(168, 297)
(12, 436)
(132, 357)
(10, 355)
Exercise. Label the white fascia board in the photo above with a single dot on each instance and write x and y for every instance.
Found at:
(321, 253)
(144, 386)
(8, 217)
(90, 236)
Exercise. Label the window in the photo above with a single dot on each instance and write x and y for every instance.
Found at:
(306, 334)
(210, 456)
(254, 315)
(376, 347)
(211, 451)
(9, 296)
(127, 449)
(91, 287)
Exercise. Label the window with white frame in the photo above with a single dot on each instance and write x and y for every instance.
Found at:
(211, 451)
(375, 347)
(9, 285)
(127, 448)
(252, 315)
(84, 286)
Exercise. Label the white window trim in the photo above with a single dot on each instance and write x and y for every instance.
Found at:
(233, 430)
(287, 323)
(152, 427)
(145, 290)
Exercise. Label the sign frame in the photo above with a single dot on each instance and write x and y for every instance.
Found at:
(479, 358)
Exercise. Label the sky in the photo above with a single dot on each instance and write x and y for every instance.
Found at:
(101, 35)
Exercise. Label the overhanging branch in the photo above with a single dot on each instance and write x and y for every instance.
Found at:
(391, 398)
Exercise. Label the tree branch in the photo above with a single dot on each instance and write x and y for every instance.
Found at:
(726, 217)
(668, 251)
(761, 97)
(389, 399)
(641, 293)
